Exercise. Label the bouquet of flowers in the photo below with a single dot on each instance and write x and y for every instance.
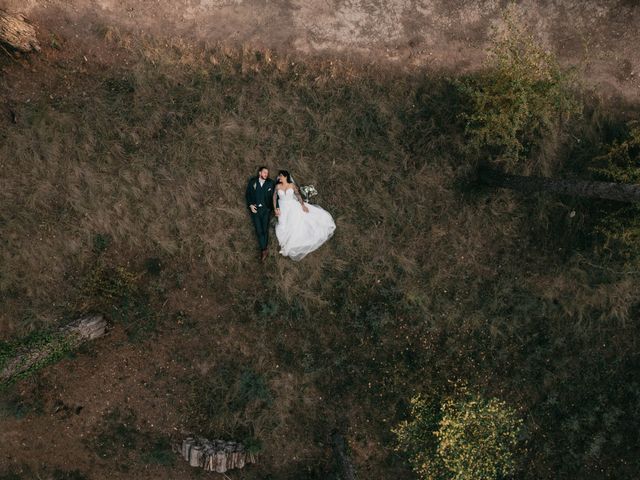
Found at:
(308, 191)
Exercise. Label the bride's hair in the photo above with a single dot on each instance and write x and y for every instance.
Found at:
(286, 174)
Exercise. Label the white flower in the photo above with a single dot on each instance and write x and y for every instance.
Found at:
(308, 191)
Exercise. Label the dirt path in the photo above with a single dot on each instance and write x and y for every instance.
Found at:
(435, 33)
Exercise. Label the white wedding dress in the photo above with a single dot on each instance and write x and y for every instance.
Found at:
(300, 233)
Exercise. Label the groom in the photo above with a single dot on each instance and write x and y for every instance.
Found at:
(259, 197)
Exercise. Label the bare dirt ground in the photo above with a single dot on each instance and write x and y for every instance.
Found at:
(100, 410)
(116, 376)
(138, 383)
(439, 34)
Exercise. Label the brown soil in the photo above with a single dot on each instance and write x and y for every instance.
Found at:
(115, 374)
(435, 33)
(69, 404)
(112, 374)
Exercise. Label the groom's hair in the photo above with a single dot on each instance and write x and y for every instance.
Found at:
(262, 168)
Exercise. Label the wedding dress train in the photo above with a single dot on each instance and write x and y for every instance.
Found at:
(300, 233)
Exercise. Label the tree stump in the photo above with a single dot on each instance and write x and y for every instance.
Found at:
(85, 329)
(17, 33)
(66, 339)
(215, 455)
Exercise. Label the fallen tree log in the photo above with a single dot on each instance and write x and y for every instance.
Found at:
(40, 350)
(346, 470)
(215, 455)
(620, 192)
(17, 33)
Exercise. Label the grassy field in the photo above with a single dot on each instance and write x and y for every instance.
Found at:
(125, 186)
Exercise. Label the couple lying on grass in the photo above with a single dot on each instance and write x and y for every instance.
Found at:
(301, 228)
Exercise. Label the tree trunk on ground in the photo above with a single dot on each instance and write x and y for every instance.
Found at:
(345, 467)
(621, 192)
(215, 455)
(17, 33)
(62, 341)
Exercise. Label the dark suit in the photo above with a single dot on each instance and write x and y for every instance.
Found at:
(262, 197)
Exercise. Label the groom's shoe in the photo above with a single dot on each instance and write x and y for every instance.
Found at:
(265, 253)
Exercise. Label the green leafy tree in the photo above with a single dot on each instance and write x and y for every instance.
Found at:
(518, 102)
(467, 437)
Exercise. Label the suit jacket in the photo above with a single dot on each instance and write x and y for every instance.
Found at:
(256, 194)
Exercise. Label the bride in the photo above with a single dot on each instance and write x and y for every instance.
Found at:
(301, 227)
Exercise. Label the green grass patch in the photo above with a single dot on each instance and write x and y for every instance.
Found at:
(49, 345)
(232, 402)
(118, 440)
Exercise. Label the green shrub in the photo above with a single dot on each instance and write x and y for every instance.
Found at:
(117, 292)
(119, 440)
(517, 104)
(117, 436)
(11, 476)
(619, 224)
(101, 242)
(621, 163)
(416, 438)
(466, 437)
(153, 266)
(108, 285)
(231, 402)
(159, 453)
